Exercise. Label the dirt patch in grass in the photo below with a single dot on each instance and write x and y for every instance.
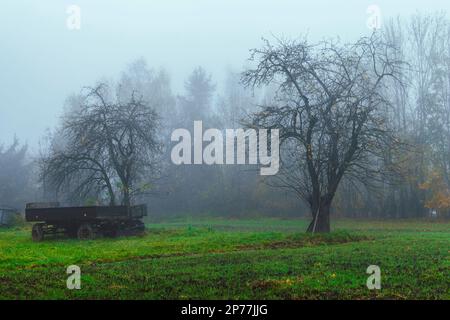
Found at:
(305, 240)
(292, 241)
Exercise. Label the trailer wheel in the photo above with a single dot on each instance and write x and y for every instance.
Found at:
(37, 233)
(86, 232)
(140, 227)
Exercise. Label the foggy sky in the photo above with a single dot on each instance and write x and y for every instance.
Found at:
(42, 61)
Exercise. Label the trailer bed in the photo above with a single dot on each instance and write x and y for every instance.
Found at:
(88, 213)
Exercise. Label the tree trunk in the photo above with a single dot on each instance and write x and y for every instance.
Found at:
(126, 197)
(321, 220)
(112, 196)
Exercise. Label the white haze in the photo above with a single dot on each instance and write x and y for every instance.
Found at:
(42, 62)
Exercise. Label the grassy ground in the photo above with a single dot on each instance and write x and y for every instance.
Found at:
(235, 259)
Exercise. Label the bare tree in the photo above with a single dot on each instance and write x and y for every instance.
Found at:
(329, 109)
(108, 146)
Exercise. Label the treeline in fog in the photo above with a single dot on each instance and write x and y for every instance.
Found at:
(364, 130)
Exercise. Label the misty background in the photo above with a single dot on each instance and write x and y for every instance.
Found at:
(184, 51)
(43, 61)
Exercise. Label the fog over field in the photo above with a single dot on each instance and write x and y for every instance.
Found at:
(224, 149)
(42, 61)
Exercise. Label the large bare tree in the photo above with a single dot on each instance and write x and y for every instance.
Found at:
(107, 146)
(330, 109)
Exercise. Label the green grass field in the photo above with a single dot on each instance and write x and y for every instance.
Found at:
(235, 259)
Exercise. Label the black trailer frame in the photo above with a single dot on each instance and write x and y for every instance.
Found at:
(84, 222)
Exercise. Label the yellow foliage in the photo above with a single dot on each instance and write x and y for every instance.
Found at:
(438, 192)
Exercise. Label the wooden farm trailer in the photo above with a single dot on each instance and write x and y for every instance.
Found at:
(84, 222)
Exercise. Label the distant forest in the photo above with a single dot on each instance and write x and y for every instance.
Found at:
(413, 106)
